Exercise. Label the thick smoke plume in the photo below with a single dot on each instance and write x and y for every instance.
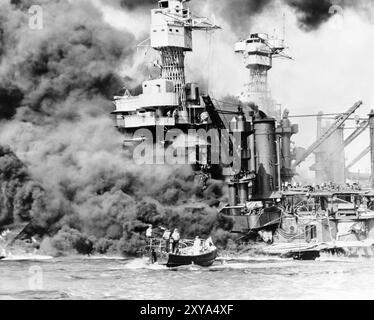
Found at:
(76, 185)
(311, 14)
(133, 4)
(20, 197)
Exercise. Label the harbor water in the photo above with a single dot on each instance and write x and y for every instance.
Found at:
(36, 277)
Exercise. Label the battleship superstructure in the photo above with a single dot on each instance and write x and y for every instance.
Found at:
(169, 101)
(261, 202)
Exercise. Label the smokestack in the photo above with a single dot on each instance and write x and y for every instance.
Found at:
(337, 168)
(319, 176)
(266, 158)
(371, 125)
(233, 196)
(243, 190)
(286, 130)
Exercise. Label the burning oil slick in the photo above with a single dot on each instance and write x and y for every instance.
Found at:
(70, 177)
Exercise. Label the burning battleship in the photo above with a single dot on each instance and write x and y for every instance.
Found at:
(264, 203)
(169, 101)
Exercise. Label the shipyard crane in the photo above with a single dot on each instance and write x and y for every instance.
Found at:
(360, 129)
(338, 122)
(358, 158)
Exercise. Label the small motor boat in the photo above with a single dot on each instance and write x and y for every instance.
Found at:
(204, 259)
(202, 253)
(296, 251)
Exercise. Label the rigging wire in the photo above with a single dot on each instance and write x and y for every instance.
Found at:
(209, 57)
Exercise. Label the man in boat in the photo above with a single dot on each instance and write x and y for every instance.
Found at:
(166, 237)
(175, 237)
(149, 231)
(196, 246)
(371, 203)
(148, 234)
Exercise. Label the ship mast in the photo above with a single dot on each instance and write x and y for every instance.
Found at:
(258, 51)
(171, 34)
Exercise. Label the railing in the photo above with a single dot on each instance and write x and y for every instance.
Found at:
(159, 245)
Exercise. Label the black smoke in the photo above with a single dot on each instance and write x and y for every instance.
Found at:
(70, 177)
(311, 14)
(20, 197)
(134, 4)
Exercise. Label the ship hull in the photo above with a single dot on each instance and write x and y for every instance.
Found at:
(204, 260)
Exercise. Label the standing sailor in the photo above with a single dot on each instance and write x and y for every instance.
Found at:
(152, 253)
(148, 233)
(166, 237)
(196, 246)
(175, 237)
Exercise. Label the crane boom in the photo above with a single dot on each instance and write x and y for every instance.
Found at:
(358, 158)
(361, 128)
(338, 122)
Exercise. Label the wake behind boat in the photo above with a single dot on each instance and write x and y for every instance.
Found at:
(3, 244)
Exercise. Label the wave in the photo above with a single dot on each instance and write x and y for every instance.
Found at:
(251, 258)
(104, 257)
(142, 263)
(30, 256)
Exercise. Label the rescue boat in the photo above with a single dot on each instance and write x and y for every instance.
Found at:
(188, 253)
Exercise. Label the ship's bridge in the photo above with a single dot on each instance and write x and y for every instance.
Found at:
(156, 94)
(155, 105)
(168, 27)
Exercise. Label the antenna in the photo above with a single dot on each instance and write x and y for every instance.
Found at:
(284, 26)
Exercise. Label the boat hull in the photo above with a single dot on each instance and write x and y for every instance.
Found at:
(303, 255)
(204, 260)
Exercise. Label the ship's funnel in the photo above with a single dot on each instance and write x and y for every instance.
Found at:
(233, 196)
(243, 187)
(266, 158)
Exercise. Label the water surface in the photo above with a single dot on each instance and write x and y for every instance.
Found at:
(229, 278)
